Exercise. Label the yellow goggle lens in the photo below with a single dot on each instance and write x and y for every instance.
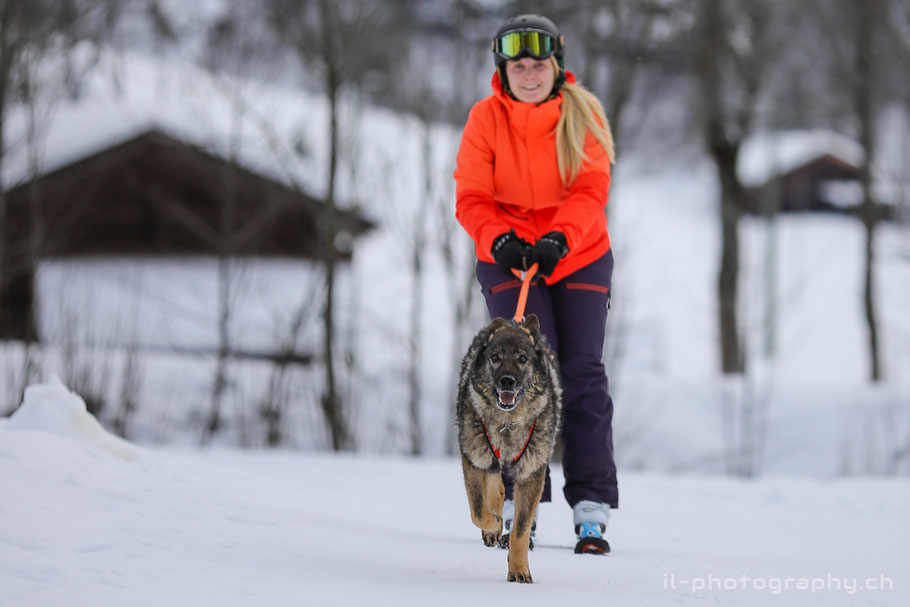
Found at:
(537, 44)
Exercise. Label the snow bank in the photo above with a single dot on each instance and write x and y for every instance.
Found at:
(52, 408)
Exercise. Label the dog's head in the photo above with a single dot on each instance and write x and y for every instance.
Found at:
(509, 362)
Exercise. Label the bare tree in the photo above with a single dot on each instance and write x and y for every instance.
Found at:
(867, 15)
(232, 53)
(733, 52)
(247, 41)
(735, 46)
(338, 40)
(866, 51)
(471, 61)
(723, 147)
(409, 222)
(130, 385)
(618, 44)
(32, 32)
(413, 221)
(271, 408)
(420, 240)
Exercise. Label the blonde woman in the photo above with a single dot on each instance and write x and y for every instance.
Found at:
(532, 177)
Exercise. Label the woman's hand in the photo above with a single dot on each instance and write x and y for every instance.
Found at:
(548, 251)
(509, 251)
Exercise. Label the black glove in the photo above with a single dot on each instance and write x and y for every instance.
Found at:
(509, 251)
(548, 251)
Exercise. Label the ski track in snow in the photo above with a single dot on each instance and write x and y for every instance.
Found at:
(84, 524)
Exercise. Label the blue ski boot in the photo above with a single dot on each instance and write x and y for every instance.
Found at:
(591, 520)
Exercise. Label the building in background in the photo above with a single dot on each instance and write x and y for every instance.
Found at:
(155, 195)
(803, 171)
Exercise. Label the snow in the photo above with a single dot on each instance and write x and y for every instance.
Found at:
(130, 93)
(52, 408)
(88, 519)
(841, 193)
(169, 303)
(277, 131)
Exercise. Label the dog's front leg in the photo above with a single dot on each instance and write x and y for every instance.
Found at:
(485, 496)
(494, 494)
(527, 495)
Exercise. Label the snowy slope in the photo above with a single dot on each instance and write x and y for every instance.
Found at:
(87, 519)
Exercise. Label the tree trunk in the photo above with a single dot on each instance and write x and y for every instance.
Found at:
(732, 357)
(723, 149)
(415, 334)
(220, 382)
(5, 270)
(225, 252)
(331, 400)
(865, 14)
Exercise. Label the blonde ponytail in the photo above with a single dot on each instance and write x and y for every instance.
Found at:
(581, 112)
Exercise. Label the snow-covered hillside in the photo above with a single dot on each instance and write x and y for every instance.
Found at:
(87, 519)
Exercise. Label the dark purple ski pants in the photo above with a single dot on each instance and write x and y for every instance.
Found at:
(573, 317)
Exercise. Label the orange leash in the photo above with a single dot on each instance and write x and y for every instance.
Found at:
(525, 278)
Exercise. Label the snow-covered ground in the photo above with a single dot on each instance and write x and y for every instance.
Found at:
(89, 519)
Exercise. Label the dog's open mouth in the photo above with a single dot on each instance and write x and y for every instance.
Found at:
(508, 399)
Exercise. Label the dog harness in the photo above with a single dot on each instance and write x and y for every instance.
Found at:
(496, 452)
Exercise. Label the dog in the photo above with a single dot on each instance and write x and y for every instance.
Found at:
(508, 414)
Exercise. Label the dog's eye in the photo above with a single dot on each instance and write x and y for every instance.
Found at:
(494, 357)
(522, 359)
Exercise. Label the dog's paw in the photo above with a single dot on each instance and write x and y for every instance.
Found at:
(490, 538)
(522, 575)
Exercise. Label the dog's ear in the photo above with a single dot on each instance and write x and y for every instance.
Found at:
(498, 324)
(532, 324)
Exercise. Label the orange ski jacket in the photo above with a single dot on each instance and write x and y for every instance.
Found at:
(506, 176)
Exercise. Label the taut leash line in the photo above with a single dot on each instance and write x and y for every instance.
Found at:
(525, 277)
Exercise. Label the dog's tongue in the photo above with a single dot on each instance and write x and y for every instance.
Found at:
(506, 397)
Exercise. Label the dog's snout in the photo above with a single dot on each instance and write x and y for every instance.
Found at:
(506, 381)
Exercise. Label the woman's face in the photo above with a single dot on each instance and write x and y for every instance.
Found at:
(531, 80)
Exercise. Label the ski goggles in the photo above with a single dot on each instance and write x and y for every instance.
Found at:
(513, 45)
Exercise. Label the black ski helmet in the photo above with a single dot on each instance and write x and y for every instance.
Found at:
(529, 23)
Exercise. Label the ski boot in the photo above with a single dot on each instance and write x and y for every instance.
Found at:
(508, 516)
(591, 520)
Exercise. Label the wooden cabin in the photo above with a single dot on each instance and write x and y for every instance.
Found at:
(803, 171)
(155, 195)
(826, 183)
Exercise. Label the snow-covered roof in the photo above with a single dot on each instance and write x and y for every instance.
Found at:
(130, 93)
(767, 155)
(277, 131)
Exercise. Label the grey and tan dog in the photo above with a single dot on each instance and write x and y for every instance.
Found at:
(508, 412)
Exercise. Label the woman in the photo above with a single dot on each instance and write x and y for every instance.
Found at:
(532, 176)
